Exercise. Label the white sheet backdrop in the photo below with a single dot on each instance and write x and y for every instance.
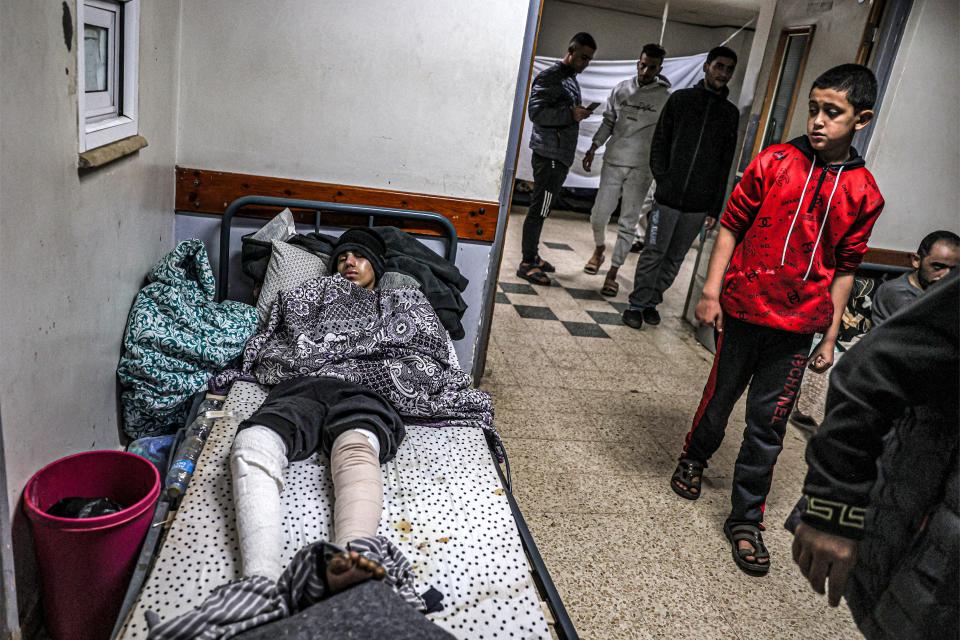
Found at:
(595, 85)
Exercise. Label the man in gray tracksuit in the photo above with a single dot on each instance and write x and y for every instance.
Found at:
(628, 124)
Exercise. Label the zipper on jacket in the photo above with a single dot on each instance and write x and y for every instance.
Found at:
(816, 190)
(696, 150)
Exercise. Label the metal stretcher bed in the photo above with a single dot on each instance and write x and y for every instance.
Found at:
(447, 506)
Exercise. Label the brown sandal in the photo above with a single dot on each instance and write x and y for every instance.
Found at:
(610, 288)
(533, 274)
(593, 264)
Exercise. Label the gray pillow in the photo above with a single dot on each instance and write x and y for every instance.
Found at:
(289, 267)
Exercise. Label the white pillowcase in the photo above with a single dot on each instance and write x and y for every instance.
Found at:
(289, 267)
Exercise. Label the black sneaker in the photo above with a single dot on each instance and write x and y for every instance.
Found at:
(633, 318)
(650, 316)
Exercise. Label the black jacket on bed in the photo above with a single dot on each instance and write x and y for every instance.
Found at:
(255, 254)
(440, 280)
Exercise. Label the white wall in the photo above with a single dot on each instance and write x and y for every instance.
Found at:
(621, 35)
(73, 250)
(915, 150)
(405, 96)
(836, 39)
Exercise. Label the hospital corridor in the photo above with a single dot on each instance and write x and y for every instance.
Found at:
(509, 320)
(593, 414)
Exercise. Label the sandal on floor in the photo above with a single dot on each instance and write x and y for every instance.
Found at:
(610, 288)
(689, 473)
(751, 533)
(545, 266)
(533, 274)
(593, 265)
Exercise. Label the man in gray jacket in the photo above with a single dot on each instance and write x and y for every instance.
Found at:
(628, 124)
(556, 112)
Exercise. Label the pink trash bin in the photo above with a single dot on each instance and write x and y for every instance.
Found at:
(86, 563)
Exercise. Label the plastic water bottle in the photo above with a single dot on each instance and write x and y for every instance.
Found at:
(187, 454)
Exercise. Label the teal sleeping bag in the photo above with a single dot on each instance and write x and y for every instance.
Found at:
(177, 336)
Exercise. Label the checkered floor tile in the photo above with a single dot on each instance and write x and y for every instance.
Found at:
(544, 312)
(535, 313)
(510, 287)
(605, 317)
(586, 294)
(585, 329)
(560, 246)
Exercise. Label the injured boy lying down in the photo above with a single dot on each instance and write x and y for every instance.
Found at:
(349, 364)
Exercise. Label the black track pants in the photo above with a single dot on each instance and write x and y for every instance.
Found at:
(772, 363)
(548, 177)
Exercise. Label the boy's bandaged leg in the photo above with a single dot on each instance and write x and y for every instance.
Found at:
(357, 485)
(257, 461)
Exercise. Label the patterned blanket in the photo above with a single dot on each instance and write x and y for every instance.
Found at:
(176, 338)
(390, 341)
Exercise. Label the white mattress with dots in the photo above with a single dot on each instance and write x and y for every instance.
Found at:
(444, 506)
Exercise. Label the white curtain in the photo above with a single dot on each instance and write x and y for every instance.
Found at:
(596, 83)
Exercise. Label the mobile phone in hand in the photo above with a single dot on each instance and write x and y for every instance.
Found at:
(592, 106)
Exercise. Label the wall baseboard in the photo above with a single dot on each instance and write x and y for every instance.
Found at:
(888, 257)
(208, 191)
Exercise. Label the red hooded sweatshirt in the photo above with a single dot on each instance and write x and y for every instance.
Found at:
(797, 222)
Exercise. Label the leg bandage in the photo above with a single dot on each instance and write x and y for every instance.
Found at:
(257, 461)
(357, 485)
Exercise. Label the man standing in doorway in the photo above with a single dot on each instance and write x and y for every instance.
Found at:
(556, 112)
(629, 120)
(690, 157)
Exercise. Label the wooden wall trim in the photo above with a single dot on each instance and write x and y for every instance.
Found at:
(208, 191)
(888, 257)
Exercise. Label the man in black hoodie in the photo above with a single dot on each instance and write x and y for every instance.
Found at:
(690, 157)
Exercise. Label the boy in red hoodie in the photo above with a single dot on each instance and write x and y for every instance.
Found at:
(793, 232)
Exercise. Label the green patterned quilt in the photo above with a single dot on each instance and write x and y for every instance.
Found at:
(176, 338)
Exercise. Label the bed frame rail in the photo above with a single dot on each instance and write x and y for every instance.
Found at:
(318, 207)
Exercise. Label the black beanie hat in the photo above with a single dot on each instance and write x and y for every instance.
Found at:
(365, 242)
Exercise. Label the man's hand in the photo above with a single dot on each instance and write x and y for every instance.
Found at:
(588, 159)
(709, 313)
(581, 113)
(822, 357)
(822, 556)
(709, 223)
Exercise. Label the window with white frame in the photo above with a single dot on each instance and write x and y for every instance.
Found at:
(107, 65)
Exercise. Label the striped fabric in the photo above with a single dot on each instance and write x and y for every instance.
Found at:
(399, 572)
(244, 604)
(545, 207)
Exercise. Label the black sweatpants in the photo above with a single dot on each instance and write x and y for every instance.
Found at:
(771, 362)
(309, 414)
(548, 177)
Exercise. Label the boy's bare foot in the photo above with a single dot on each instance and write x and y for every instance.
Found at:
(745, 545)
(350, 568)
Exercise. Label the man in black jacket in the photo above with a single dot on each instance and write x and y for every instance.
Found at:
(880, 520)
(690, 158)
(556, 112)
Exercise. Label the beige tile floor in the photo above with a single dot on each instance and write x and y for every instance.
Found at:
(593, 427)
